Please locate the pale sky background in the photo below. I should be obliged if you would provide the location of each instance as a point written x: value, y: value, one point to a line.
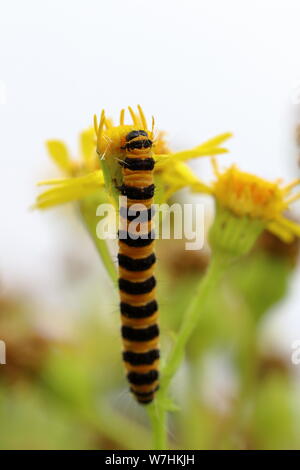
x: 200, y: 66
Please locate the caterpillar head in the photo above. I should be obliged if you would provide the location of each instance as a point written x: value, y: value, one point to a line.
x: 114, y: 143
x: 112, y: 140
x: 137, y: 141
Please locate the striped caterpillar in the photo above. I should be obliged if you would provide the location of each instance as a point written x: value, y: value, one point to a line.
x: 136, y: 258
x: 139, y: 310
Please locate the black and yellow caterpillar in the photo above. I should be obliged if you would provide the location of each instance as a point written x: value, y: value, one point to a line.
x: 136, y: 257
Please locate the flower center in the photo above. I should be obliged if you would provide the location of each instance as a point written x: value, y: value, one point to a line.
x: 246, y: 194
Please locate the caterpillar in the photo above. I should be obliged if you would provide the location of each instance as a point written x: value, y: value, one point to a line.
x: 132, y: 147
x: 136, y: 257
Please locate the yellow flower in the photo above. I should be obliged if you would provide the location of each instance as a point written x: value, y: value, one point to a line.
x: 96, y: 169
x: 83, y: 175
x: 247, y: 195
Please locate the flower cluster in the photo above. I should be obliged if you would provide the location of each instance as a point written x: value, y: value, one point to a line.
x: 247, y: 195
x: 86, y: 175
x: 241, y: 193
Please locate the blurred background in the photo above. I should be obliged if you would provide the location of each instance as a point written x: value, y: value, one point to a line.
x: 201, y: 67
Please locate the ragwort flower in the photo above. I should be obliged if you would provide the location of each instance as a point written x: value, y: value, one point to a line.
x: 99, y: 162
x: 249, y: 197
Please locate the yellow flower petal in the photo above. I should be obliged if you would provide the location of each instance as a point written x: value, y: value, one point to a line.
x: 90, y: 178
x: 208, y: 148
x: 69, y: 189
x: 87, y: 145
x: 180, y: 176
x: 288, y: 224
x: 219, y: 139
x: 60, y: 155
x: 280, y: 232
x: 62, y: 195
x: 53, y: 181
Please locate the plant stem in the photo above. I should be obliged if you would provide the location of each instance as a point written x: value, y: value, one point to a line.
x: 88, y: 214
x: 198, y: 304
x: 158, y: 420
x: 216, y: 268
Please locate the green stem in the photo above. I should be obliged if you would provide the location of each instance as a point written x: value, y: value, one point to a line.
x: 158, y: 410
x: 88, y: 213
x: 158, y: 420
x: 216, y: 268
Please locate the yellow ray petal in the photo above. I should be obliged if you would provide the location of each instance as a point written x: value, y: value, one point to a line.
x: 90, y: 178
x: 54, y: 181
x: 180, y: 176
x: 143, y: 118
x: 133, y: 116
x: 200, y: 187
x: 219, y: 139
x: 108, y: 123
x: 60, y: 154
x: 280, y: 232
x: 100, y: 128
x: 69, y: 189
x: 215, y: 166
x: 293, y: 198
x: 122, y: 117
x: 95, y: 124
x: 161, y: 157
x: 87, y: 145
x: 291, y: 185
x: 288, y: 224
x: 185, y: 174
x: 62, y: 195
x: 188, y: 154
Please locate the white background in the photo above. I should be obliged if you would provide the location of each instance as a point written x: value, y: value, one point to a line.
x: 200, y: 66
